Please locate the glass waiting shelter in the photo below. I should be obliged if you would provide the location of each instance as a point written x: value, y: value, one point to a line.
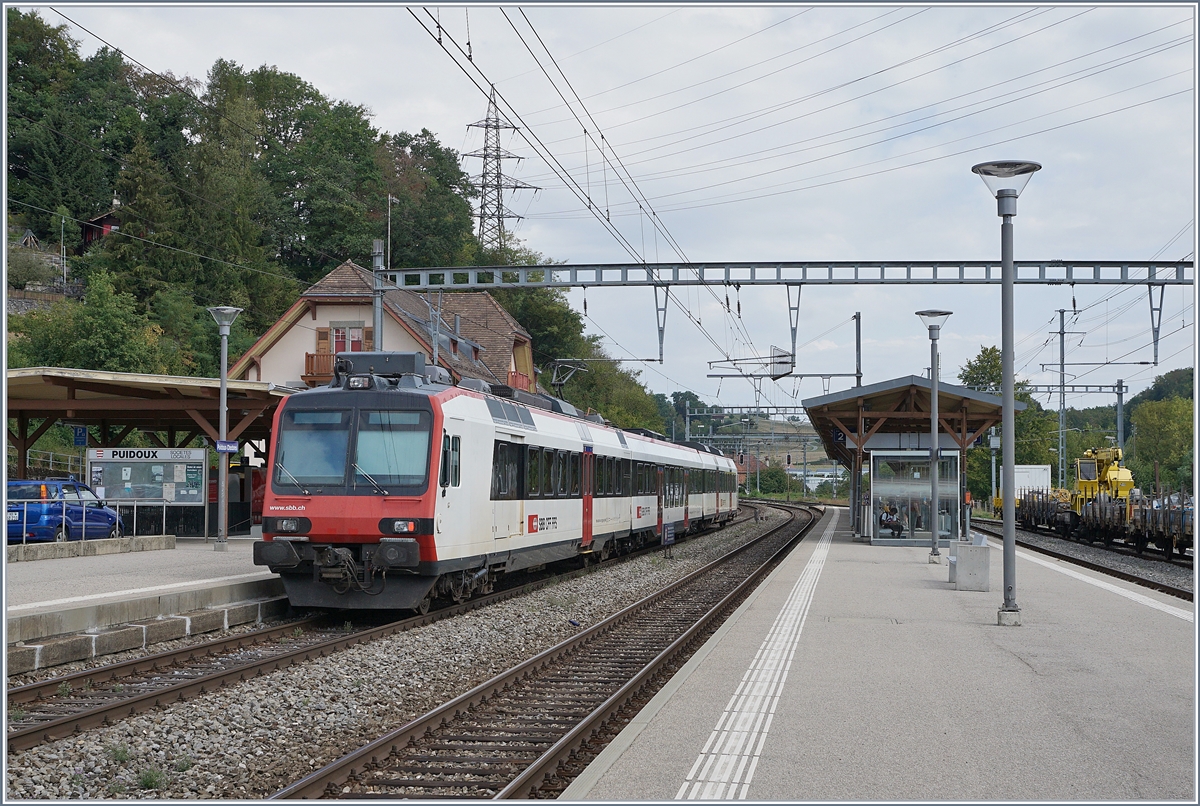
x: 900, y: 494
x: 882, y: 433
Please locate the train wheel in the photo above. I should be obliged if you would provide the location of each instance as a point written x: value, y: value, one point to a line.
x: 1169, y: 549
x: 1139, y: 543
x: 423, y: 608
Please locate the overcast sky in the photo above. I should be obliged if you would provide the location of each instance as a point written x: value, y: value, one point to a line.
x: 787, y: 133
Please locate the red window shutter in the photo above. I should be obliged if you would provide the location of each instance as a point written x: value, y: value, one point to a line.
x: 368, y: 339
x: 322, y: 340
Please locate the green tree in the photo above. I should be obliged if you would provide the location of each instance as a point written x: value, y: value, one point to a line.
x: 432, y: 222
x: 1162, y: 433
x: 106, y: 332
x: 24, y: 266
x: 1035, y: 433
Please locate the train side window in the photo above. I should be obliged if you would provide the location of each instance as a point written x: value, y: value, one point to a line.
x: 515, y: 472
x: 547, y: 473
x: 500, y: 471
x: 444, y: 473
x: 617, y: 487
x: 455, y: 461
x: 556, y: 472
x: 533, y: 473
x: 612, y: 476
x: 564, y: 472
x: 575, y: 474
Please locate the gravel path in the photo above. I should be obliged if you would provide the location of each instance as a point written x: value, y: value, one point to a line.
x: 1175, y: 573
x: 252, y: 739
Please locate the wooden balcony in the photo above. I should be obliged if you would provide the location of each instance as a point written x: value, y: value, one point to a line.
x: 318, y: 368
x: 519, y: 380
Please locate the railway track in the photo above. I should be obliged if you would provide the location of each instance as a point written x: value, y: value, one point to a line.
x: 57, y: 707
x: 507, y: 737
x: 1128, y: 577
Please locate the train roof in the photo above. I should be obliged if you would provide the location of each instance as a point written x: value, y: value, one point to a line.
x: 407, y: 372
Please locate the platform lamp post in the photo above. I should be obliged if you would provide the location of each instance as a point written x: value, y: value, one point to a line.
x: 1006, y: 179
x: 933, y: 320
x: 224, y: 316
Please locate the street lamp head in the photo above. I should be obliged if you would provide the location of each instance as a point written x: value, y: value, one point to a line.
x: 224, y: 314
x: 934, y: 320
x: 1006, y: 175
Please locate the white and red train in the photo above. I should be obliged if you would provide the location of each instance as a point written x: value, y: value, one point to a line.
x: 390, y: 487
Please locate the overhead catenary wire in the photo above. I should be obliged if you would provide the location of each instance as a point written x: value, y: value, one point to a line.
x: 536, y: 144
x: 801, y: 145
x: 627, y: 180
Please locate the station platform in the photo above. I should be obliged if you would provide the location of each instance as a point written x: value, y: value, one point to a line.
x: 858, y: 672
x: 48, y: 603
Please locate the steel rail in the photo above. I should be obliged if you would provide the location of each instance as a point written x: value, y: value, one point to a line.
x: 532, y: 777
x: 1103, y: 569
x: 26, y: 737
x: 349, y: 766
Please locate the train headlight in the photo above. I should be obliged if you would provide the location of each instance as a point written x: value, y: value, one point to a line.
x: 403, y: 527
x: 288, y: 524
x: 360, y: 382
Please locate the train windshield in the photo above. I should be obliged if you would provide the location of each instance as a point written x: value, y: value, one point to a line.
x: 312, y: 448
x: 1087, y: 470
x: 392, y: 448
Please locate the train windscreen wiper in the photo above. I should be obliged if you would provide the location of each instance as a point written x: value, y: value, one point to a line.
x: 280, y: 466
x: 367, y: 476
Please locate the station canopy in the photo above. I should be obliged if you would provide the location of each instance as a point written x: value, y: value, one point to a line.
x: 899, y: 406
x: 117, y: 403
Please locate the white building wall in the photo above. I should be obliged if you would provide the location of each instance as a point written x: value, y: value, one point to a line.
x: 283, y: 362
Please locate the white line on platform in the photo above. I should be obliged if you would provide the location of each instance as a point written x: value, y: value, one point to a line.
x: 120, y: 594
x: 1177, y: 612
x: 725, y: 766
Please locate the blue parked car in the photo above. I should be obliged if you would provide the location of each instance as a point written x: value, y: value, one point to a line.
x: 57, y: 510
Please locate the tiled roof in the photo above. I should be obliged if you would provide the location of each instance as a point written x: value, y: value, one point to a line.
x: 488, y: 324
x: 352, y: 280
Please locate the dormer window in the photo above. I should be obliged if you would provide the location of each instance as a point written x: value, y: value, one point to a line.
x: 454, y: 346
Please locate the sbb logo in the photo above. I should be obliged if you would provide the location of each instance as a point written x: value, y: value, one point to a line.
x: 533, y: 524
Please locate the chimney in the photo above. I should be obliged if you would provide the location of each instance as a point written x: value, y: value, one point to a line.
x: 457, y: 326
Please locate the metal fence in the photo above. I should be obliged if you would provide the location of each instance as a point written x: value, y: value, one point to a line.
x: 23, y: 517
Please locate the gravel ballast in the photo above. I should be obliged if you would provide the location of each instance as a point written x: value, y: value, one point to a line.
x: 1175, y: 574
x: 252, y: 739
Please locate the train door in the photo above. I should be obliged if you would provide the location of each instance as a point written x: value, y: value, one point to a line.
x: 451, y: 506
x: 586, y: 487
x: 661, y: 490
x: 507, y: 505
x: 686, y: 495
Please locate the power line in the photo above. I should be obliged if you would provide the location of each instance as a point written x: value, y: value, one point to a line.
x: 539, y: 147
x: 635, y: 191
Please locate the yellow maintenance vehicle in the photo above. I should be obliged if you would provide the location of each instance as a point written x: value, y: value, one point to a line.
x: 1100, y: 482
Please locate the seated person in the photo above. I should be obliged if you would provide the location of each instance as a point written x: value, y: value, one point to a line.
x: 889, y: 520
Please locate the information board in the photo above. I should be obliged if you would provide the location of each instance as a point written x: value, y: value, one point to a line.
x: 174, y: 475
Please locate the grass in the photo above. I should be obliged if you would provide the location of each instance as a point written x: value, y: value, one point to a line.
x: 118, y: 753
x: 16, y: 714
x: 152, y: 778
x: 64, y: 689
x: 184, y: 764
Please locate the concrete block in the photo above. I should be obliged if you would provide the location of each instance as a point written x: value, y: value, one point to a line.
x: 167, y: 628
x: 57, y: 651
x: 1008, y: 618
x: 935, y: 559
x: 952, y: 562
x: 246, y: 613
x: 204, y: 621
x: 974, y: 568
x: 118, y: 640
x: 22, y: 659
